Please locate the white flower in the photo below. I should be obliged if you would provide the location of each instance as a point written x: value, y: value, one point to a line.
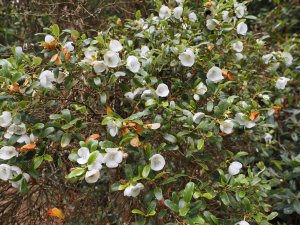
x: 115, y: 46
x: 19, y: 50
x: 69, y: 46
x: 84, y: 155
x: 187, y: 58
x: 162, y: 90
x: 46, y: 79
x: 8, y: 152
x: 99, y: 67
x: 193, y: 17
x: 90, y: 55
x: 157, y: 162
x: 234, y: 168
x: 281, y: 82
x: 268, y: 138
x: 238, y: 56
x: 242, y: 120
x: 152, y: 126
x: 49, y: 38
x: 225, y: 16
x: 97, y: 164
x: 180, y: 1
x: 266, y: 58
x: 178, y: 12
x: 5, y: 172
x: 113, y: 157
x: 227, y: 126
x: 133, y: 64
x: 164, y: 12
x: 147, y: 94
x: 211, y: 24
x: 62, y: 76
x: 133, y: 190
x: 24, y: 139
x: 111, y: 59
x: 144, y: 51
x: 112, y: 128
x: 18, y: 129
x: 196, y: 97
x: 288, y: 58
x: 5, y: 119
x: 15, y: 171
x: 240, y: 10
x: 214, y: 74
x: 237, y: 46
x: 198, y: 116
x: 92, y: 176
x: 243, y: 222
x: 201, y: 89
x: 242, y: 28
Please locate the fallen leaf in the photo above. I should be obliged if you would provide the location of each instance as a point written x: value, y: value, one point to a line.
x: 135, y: 142
x: 55, y: 212
x: 277, y: 109
x: 49, y: 45
x: 253, y: 115
x: 92, y: 137
x: 108, y: 110
x: 14, y: 88
x: 27, y: 147
x: 67, y: 54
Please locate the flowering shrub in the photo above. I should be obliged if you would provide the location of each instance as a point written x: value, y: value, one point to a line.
x: 163, y: 109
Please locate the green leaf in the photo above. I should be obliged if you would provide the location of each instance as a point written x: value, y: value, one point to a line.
x: 200, y: 144
x: 37, y: 61
x: 247, y: 203
x: 296, y: 206
x: 48, y: 158
x: 65, y: 140
x: 76, y: 172
x: 171, y: 138
x: 37, y: 161
x: 146, y: 171
x: 137, y: 211
x: 151, y: 213
x: 272, y: 215
x: 23, y: 186
x: 207, y: 196
x: 225, y: 199
x: 66, y: 114
x: 158, y: 193
x: 188, y: 192
x: 55, y: 30
x: 171, y: 205
x: 93, y: 157
x: 183, y: 211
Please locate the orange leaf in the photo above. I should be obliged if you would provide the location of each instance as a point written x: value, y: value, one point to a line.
x: 27, y: 147
x: 108, y: 110
x: 14, y: 88
x: 135, y: 142
x: 55, y: 212
x: 277, y: 109
x: 125, y: 130
x: 54, y: 58
x: 131, y: 124
x: 227, y: 74
x: 67, y: 54
x: 49, y: 45
x: 253, y: 115
x: 92, y: 137
x: 139, y: 129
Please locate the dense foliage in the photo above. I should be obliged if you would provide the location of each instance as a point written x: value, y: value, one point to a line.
x: 189, y: 115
